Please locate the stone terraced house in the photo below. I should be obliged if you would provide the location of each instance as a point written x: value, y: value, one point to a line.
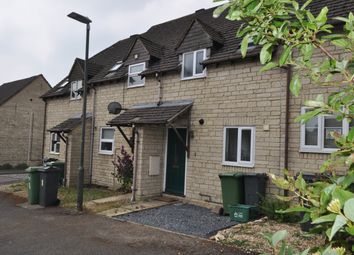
x: 195, y: 107
x: 22, y: 120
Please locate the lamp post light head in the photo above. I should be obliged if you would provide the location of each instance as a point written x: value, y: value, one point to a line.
x: 80, y: 18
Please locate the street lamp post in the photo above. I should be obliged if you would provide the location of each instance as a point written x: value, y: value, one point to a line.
x: 80, y: 180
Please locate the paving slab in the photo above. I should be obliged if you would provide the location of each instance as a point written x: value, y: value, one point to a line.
x: 182, y: 218
x: 133, y: 207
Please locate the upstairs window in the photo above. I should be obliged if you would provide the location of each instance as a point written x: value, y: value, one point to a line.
x: 54, y: 143
x: 74, y: 92
x: 134, y: 78
x: 192, y: 64
x: 107, y: 141
x: 239, y: 146
x: 316, y: 133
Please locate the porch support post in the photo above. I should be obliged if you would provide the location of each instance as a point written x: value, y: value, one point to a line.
x: 62, y: 137
x: 180, y: 138
x: 129, y: 141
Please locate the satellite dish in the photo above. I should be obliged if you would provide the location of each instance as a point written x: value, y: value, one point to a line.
x: 114, y: 108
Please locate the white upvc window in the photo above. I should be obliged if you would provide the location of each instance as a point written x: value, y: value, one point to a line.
x: 74, y: 91
x: 54, y: 143
x: 316, y: 133
x: 192, y: 64
x: 239, y: 146
x: 107, y: 141
x: 134, y: 77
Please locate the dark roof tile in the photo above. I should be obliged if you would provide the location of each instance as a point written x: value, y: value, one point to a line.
x: 157, y: 114
x: 9, y: 89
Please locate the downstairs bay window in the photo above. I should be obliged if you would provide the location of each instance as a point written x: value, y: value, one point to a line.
x: 316, y: 133
x: 239, y: 146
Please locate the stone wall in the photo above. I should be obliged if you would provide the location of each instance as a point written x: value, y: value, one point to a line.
x: 21, y: 125
x: 232, y: 94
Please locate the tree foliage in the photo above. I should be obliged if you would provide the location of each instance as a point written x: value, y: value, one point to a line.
x: 289, y: 35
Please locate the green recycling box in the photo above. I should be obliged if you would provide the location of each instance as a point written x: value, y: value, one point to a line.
x: 33, y: 184
x: 243, y: 213
x: 232, y: 187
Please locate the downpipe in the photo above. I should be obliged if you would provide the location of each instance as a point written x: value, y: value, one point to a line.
x: 135, y: 162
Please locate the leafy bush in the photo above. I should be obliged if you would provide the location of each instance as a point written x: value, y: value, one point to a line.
x: 124, y: 170
x: 6, y: 166
x: 291, y: 27
x: 270, y: 206
x: 21, y: 166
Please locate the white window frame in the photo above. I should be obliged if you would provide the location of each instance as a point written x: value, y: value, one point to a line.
x: 106, y: 152
x: 57, y: 144
x: 320, y: 141
x: 136, y: 74
x: 195, y: 75
x: 240, y: 162
x: 77, y: 96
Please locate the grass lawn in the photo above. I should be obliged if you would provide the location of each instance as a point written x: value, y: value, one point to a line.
x: 68, y: 196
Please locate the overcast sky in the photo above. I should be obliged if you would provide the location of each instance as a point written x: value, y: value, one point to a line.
x: 37, y: 37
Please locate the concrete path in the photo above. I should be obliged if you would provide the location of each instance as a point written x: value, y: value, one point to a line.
x: 59, y: 231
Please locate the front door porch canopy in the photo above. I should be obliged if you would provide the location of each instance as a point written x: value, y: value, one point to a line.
x: 152, y: 114
x: 66, y: 126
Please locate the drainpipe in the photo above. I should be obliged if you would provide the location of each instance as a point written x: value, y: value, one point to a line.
x: 159, y: 87
x: 287, y: 117
x: 30, y: 139
x: 92, y: 133
x: 66, y: 160
x: 44, y: 128
x: 135, y: 162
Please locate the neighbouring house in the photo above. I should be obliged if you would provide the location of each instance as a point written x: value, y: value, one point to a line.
x: 193, y: 108
x: 22, y: 120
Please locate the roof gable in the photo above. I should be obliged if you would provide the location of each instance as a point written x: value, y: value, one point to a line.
x: 77, y: 70
x: 10, y: 89
x: 198, y: 35
x: 138, y: 53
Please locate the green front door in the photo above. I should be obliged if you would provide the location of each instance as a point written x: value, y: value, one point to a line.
x: 176, y: 162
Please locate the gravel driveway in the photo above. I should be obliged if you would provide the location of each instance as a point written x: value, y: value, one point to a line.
x: 181, y: 218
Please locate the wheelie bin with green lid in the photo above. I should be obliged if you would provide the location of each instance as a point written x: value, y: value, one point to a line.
x: 33, y: 184
x: 232, y: 187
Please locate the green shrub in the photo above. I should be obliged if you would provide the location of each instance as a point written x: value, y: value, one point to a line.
x: 21, y: 166
x: 270, y: 206
x: 6, y: 166
x: 124, y: 170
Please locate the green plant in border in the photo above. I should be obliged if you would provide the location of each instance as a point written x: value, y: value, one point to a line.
x: 292, y: 28
x: 124, y: 169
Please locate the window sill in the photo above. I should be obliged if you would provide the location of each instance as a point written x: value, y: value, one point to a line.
x: 54, y: 153
x: 136, y: 86
x: 318, y: 151
x: 108, y: 153
x: 74, y: 99
x: 248, y: 165
x: 193, y: 77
